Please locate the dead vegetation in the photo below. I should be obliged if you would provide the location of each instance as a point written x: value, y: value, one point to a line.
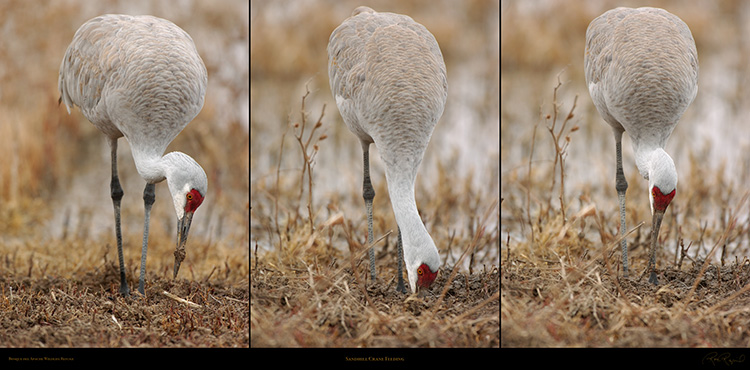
x: 88, y: 312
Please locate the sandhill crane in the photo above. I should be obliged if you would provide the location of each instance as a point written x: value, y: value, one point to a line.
x: 140, y: 77
x: 388, y: 78
x: 642, y: 71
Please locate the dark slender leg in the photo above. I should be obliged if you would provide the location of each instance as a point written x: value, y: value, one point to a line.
x: 621, y: 185
x: 368, y: 193
x: 148, y: 200
x: 400, y: 287
x: 116, y: 193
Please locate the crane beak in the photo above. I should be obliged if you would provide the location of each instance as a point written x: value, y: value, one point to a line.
x: 183, y: 227
x: 656, y: 225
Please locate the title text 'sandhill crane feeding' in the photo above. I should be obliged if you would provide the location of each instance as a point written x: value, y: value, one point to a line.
x: 388, y: 78
x: 140, y: 77
x: 642, y: 71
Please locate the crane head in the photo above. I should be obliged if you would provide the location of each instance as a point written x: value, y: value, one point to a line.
x: 659, y: 200
x: 193, y: 200
x: 425, y: 276
x: 662, y: 180
x: 422, y: 265
x: 188, y: 184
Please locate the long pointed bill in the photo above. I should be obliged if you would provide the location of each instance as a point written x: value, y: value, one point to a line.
x: 656, y: 224
x: 183, y: 227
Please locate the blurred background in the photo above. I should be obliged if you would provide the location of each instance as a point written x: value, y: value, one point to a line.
x: 541, y: 39
x: 288, y: 53
x: 55, y: 167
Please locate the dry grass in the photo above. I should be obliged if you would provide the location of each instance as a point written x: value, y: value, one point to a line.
x: 87, y: 312
x: 65, y: 293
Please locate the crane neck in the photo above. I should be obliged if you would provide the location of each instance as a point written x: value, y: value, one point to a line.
x: 418, y: 245
x: 401, y: 191
x: 655, y: 164
x: 151, y: 166
x: 182, y: 172
x: 156, y: 168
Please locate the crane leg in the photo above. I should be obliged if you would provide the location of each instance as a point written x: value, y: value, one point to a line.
x: 149, y: 197
x: 622, y: 186
x: 116, y: 193
x: 400, y: 287
x: 368, y: 193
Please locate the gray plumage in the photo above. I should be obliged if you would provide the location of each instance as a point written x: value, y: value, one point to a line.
x: 140, y: 77
x: 388, y: 78
x: 641, y: 68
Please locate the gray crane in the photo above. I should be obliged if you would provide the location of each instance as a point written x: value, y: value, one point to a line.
x: 140, y: 77
x: 388, y: 78
x: 642, y: 72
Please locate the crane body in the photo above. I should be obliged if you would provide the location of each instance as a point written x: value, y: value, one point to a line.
x: 140, y: 77
x: 641, y: 68
x: 388, y: 78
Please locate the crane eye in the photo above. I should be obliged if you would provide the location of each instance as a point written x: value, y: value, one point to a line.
x: 419, y: 271
x: 189, y: 196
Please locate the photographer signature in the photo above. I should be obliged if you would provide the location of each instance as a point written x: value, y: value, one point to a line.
x: 715, y: 358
